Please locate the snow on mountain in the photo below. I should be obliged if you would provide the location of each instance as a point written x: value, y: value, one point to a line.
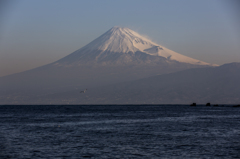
x: 122, y: 40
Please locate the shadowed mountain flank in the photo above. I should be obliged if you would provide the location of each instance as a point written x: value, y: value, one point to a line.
x: 219, y: 85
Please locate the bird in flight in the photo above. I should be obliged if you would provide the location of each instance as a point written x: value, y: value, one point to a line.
x: 83, y: 91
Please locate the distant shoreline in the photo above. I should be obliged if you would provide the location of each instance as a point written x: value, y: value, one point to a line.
x: 218, y: 105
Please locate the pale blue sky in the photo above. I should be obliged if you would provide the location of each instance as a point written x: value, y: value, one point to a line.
x: 38, y: 32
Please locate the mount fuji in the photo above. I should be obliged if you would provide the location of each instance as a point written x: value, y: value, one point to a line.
x: 119, y: 55
x: 120, y: 46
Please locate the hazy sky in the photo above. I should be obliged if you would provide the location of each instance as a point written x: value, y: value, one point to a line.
x: 38, y: 32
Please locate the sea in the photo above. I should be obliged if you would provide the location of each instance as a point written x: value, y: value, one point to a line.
x: 119, y: 131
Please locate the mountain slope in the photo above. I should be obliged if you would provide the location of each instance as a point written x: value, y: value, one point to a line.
x: 219, y: 85
x: 121, y: 44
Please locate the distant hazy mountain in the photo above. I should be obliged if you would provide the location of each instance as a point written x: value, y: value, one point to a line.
x: 118, y: 55
x: 218, y: 85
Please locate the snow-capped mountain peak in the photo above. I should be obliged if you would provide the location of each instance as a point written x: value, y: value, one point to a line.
x: 124, y: 41
x: 121, y: 40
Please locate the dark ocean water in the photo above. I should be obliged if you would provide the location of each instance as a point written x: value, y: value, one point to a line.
x: 170, y: 131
